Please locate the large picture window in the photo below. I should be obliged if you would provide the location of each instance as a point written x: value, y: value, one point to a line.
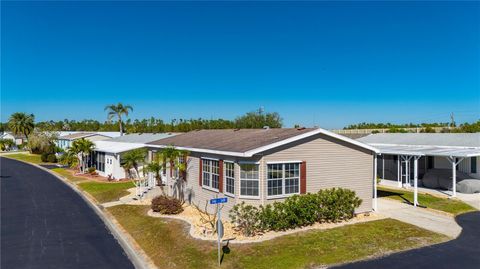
x: 283, y: 178
x: 249, y: 180
x: 210, y: 173
x: 230, y: 178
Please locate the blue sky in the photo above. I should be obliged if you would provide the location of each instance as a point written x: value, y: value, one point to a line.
x: 316, y: 63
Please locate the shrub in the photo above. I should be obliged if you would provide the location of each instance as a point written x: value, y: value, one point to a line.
x: 51, y: 158
x: 91, y: 170
x: 337, y: 204
x: 166, y: 205
x: 245, y: 218
x: 330, y: 205
x: 44, y: 157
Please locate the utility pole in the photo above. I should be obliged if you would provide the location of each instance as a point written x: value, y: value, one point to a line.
x: 452, y: 120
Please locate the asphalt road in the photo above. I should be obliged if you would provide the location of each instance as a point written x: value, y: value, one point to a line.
x: 463, y: 252
x: 45, y: 224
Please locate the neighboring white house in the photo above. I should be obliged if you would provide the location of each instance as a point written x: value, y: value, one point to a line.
x: 65, y: 141
x: 108, y: 153
x: 18, y: 139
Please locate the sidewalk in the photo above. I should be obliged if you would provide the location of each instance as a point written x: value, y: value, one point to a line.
x: 427, y: 219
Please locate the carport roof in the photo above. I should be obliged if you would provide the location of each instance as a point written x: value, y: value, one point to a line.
x: 427, y: 150
x: 426, y: 144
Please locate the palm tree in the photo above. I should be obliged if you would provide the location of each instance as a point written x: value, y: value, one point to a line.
x: 69, y: 158
x: 21, y: 123
x: 117, y: 111
x: 82, y: 148
x: 133, y: 159
x: 156, y: 166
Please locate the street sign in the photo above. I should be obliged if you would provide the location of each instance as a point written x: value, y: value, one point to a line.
x: 218, y: 200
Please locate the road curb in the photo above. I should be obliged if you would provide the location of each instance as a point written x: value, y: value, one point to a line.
x: 139, y: 261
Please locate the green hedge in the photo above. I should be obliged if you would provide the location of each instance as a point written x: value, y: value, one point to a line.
x: 330, y: 205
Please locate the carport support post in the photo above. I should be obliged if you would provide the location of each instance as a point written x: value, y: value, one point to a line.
x: 375, y: 182
x: 383, y: 166
x: 415, y: 181
x: 398, y: 172
x: 454, y: 177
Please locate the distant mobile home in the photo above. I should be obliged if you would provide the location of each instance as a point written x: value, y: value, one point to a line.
x: 260, y: 166
x: 107, y: 156
x: 65, y: 141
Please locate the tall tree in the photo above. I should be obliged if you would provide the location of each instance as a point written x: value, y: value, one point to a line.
x: 117, y: 111
x: 21, y: 123
x: 259, y: 119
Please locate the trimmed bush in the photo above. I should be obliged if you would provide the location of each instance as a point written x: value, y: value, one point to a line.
x: 91, y: 170
x: 330, y: 205
x: 337, y: 204
x: 44, y: 157
x: 166, y: 205
x: 51, y: 158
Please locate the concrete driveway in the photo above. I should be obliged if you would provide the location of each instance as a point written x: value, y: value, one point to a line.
x: 45, y: 224
x: 421, y: 217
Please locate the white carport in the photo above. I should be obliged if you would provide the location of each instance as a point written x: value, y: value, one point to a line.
x: 407, y: 152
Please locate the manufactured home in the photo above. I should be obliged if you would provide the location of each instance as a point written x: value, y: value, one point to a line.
x: 107, y: 156
x: 65, y: 141
x: 261, y: 166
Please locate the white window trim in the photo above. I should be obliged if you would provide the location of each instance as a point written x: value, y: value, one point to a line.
x: 283, y: 195
x: 225, y: 179
x: 205, y: 186
x: 252, y: 197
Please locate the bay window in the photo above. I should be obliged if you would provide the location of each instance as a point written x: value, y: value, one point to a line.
x: 249, y: 180
x: 210, y: 174
x: 230, y: 178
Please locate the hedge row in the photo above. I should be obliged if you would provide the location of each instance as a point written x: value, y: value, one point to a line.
x: 330, y: 205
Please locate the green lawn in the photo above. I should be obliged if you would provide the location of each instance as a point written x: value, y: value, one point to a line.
x: 169, y: 245
x: 26, y: 157
x: 68, y: 175
x: 106, y: 192
x: 452, y: 206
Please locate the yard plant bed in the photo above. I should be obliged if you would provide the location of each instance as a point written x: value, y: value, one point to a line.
x: 168, y: 244
x: 106, y: 192
x: 452, y: 206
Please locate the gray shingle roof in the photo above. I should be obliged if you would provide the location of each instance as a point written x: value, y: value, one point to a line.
x: 230, y: 140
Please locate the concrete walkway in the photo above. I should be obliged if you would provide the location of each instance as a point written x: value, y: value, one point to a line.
x: 424, y: 218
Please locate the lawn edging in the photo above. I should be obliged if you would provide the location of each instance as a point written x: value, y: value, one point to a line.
x: 137, y: 256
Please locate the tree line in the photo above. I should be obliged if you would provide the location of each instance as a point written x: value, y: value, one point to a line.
x: 22, y: 123
x: 466, y: 127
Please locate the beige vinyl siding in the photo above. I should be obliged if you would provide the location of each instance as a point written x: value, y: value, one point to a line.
x: 330, y: 163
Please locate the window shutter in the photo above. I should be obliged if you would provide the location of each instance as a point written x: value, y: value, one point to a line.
x: 220, y: 176
x: 200, y: 174
x: 303, y: 177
